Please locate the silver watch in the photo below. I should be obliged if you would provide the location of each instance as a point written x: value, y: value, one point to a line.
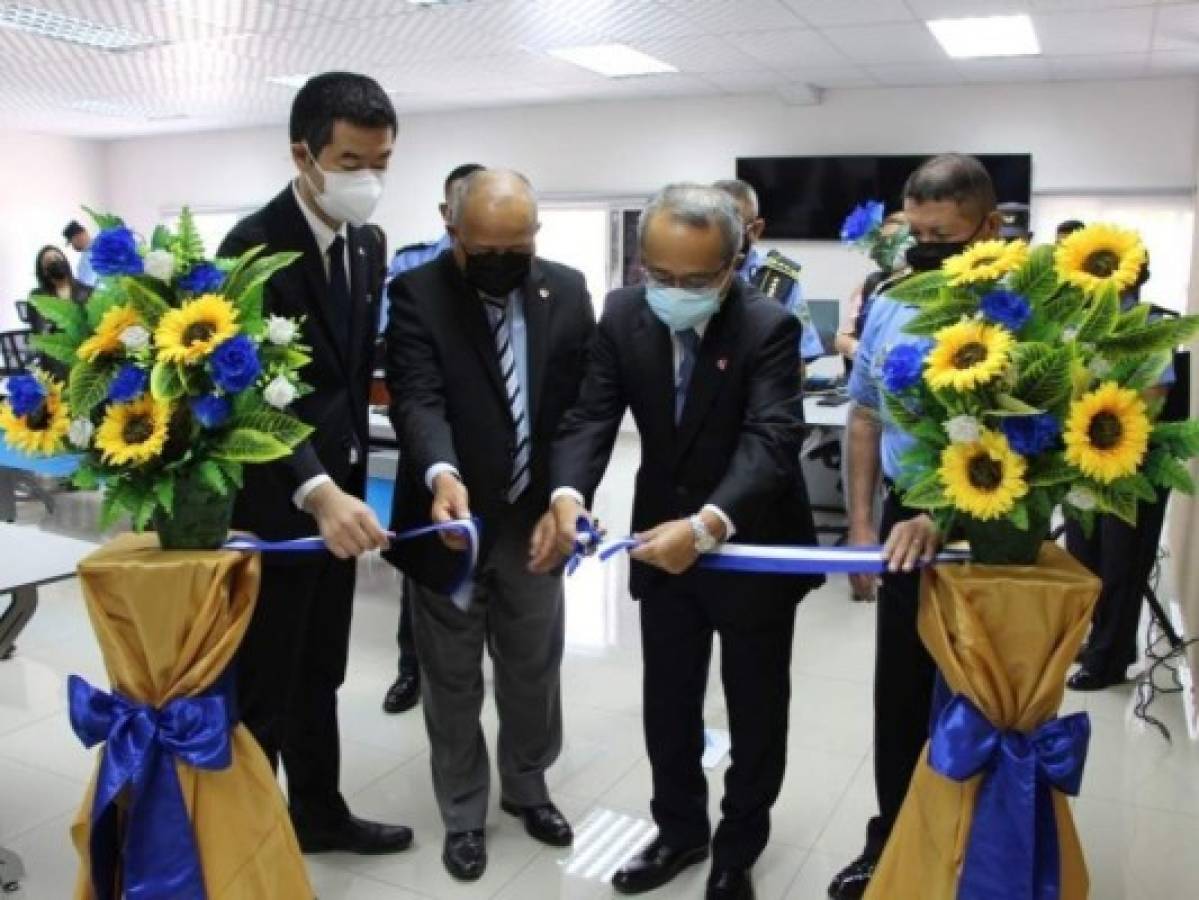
x: 705, y: 541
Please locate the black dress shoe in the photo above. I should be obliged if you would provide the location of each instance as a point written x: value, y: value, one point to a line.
x: 1089, y: 680
x: 730, y: 884
x: 543, y: 823
x: 654, y: 866
x: 404, y: 693
x: 353, y: 835
x: 465, y: 854
x: 852, y: 881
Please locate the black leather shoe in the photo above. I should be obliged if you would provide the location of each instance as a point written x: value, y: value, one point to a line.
x: 654, y: 866
x: 852, y: 881
x: 543, y: 823
x: 465, y: 855
x: 1089, y: 680
x: 730, y: 884
x: 353, y: 835
x: 404, y: 693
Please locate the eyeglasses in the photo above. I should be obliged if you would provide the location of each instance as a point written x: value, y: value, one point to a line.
x: 695, y: 282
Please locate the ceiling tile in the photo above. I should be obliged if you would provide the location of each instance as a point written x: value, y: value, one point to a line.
x: 826, y: 13
x: 1075, y: 5
x: 915, y: 75
x: 1003, y: 71
x: 789, y: 48
x: 828, y: 76
x: 699, y: 54
x: 1088, y: 34
x: 1177, y: 27
x: 886, y: 44
x: 952, y: 9
x: 1087, y: 68
x: 721, y: 16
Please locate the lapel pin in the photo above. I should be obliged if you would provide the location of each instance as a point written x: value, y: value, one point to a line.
x: 362, y: 251
x: 722, y: 363
x: 545, y: 293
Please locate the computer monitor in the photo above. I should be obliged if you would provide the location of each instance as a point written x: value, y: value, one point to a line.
x: 826, y: 317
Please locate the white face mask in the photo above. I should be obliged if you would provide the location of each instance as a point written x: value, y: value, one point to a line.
x: 348, y: 196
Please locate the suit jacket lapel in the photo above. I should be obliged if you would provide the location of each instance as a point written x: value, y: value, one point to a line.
x: 537, y: 307
x: 360, y: 298
x: 711, y: 367
x: 656, y: 356
x: 472, y: 317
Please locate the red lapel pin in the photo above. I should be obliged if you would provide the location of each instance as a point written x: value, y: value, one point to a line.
x: 722, y: 363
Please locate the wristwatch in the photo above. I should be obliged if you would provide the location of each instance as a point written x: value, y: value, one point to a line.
x: 705, y: 541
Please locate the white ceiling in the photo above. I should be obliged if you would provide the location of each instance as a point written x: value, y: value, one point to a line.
x: 211, y: 69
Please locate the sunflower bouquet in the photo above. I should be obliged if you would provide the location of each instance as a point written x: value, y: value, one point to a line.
x: 176, y: 380
x: 1030, y: 388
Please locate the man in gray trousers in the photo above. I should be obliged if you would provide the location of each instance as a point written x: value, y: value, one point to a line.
x: 485, y: 354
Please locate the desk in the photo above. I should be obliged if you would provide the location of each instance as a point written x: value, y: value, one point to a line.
x: 29, y: 557
x: 824, y: 416
x: 16, y: 467
x: 821, y: 463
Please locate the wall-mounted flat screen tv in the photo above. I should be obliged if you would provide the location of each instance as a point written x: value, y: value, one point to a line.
x: 808, y: 197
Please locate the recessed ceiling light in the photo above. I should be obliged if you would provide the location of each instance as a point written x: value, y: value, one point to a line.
x: 613, y: 60
x: 986, y: 36
x: 59, y: 27
x: 291, y: 81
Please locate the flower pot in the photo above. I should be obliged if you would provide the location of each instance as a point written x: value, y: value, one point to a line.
x: 199, y: 519
x: 1000, y: 543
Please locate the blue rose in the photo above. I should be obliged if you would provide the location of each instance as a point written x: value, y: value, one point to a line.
x: 1006, y: 308
x: 129, y: 384
x: 114, y: 252
x: 202, y: 278
x: 1030, y: 435
x: 210, y: 410
x: 904, y: 366
x: 25, y: 394
x: 864, y: 219
x: 235, y: 364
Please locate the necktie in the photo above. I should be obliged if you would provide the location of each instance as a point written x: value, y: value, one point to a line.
x: 339, y: 292
x: 689, y: 344
x: 499, y: 313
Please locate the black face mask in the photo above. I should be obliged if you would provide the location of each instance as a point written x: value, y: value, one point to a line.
x: 927, y: 257
x: 497, y: 274
x: 57, y: 269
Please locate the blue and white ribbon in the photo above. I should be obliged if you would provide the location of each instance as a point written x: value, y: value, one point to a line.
x: 461, y: 589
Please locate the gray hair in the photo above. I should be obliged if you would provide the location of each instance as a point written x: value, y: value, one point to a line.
x: 462, y: 191
x: 741, y: 191
x: 697, y: 206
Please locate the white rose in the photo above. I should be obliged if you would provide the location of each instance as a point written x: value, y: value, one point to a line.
x: 160, y: 264
x: 963, y: 429
x: 135, y: 338
x: 280, y: 331
x: 80, y: 433
x: 279, y: 393
x: 1081, y: 498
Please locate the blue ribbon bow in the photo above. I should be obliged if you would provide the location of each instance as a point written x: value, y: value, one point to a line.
x: 141, y: 744
x: 1013, y: 851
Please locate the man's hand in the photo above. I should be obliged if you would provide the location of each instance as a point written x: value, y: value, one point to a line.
x: 863, y: 584
x: 544, y: 554
x: 348, y: 526
x: 669, y: 547
x: 450, y: 502
x: 916, y: 540
x: 566, y: 511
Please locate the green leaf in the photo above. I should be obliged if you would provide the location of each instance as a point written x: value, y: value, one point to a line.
x: 101, y: 301
x: 85, y: 478
x: 1162, y: 334
x: 232, y: 472
x: 1045, y: 382
x: 68, y: 315
x: 160, y: 239
x: 1118, y: 501
x: 1066, y: 305
x: 244, y: 279
x: 211, y: 474
x: 899, y: 413
x: 187, y: 246
x: 1180, y: 439
x: 1163, y: 469
x: 1139, y: 371
x: 1133, y: 319
x: 287, y: 429
x: 1048, y: 471
x: 935, y: 316
x: 1139, y: 486
x: 1101, y: 317
x: 1040, y: 504
x: 920, y: 289
x: 927, y: 493
x: 1019, y: 516
x: 165, y: 381
x: 249, y: 311
x: 104, y: 220
x: 1008, y: 403
x: 164, y: 491
x: 250, y: 446
x: 149, y: 305
x: 57, y: 346
x: 87, y: 387
x: 1037, y: 280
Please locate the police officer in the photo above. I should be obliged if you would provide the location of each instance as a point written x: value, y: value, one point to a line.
x: 404, y: 693
x: 773, y: 274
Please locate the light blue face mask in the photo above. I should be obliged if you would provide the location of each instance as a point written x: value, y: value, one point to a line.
x: 679, y: 308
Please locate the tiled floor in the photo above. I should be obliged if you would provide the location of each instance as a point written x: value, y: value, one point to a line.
x: 1138, y: 814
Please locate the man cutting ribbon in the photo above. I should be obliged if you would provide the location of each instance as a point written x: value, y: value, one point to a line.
x: 708, y: 367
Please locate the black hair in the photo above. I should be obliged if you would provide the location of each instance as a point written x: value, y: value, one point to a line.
x: 44, y: 285
x: 463, y: 171
x: 1070, y: 226
x: 952, y: 176
x: 338, y: 96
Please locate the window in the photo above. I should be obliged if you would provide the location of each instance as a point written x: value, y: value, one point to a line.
x: 576, y: 235
x: 212, y: 224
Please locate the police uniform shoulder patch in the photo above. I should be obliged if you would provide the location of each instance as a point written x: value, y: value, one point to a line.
x: 777, y: 276
x: 421, y: 245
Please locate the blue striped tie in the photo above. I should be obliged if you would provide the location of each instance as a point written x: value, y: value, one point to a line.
x: 689, y: 344
x: 501, y: 332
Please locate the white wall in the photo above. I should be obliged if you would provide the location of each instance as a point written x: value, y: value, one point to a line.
x: 1085, y: 138
x: 43, y: 183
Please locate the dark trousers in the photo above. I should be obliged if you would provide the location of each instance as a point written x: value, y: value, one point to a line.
x: 903, y: 687
x: 1122, y: 556
x: 409, y: 661
x: 755, y: 654
x: 289, y: 668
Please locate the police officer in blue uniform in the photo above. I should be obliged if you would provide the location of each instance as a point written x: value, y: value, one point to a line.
x: 773, y: 274
x: 404, y: 692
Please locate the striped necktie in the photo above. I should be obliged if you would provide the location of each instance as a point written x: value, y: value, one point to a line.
x: 499, y: 314
x: 689, y: 345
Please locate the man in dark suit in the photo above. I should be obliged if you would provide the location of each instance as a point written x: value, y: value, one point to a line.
x: 485, y: 352
x: 709, y: 368
x: 293, y: 658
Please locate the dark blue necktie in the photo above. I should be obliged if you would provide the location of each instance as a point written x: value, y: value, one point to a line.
x: 339, y: 292
x: 689, y: 343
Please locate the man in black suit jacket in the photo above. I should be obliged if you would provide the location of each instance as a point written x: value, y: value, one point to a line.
x: 293, y: 658
x: 709, y: 368
x: 485, y: 352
